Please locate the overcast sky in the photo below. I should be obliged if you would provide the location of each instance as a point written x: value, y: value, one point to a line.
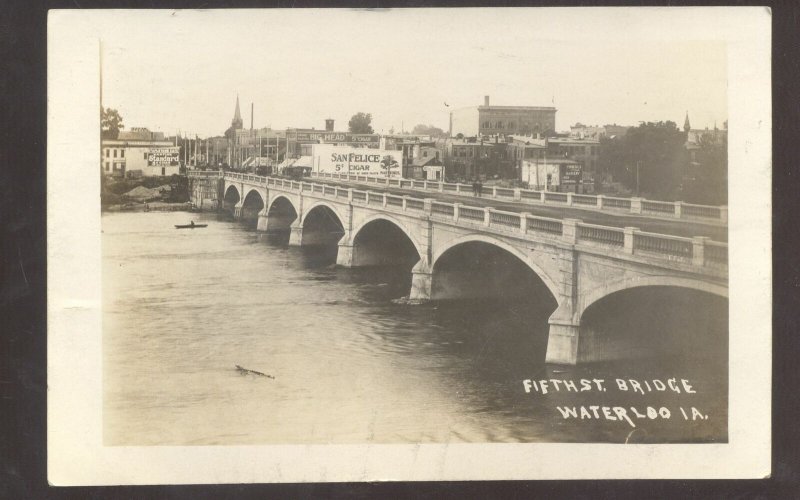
x: 170, y: 71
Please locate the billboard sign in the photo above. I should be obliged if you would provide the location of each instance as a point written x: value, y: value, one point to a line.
x: 163, y: 157
x: 357, y: 161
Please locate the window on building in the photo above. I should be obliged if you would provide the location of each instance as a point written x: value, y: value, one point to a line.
x: 499, y: 125
x: 511, y: 124
x: 487, y: 124
x: 163, y: 171
x: 145, y: 155
x: 122, y: 153
x: 108, y: 153
x: 115, y: 153
x: 108, y: 165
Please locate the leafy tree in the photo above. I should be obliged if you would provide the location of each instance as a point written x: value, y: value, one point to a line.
x: 706, y: 180
x: 650, y: 159
x: 430, y: 130
x: 360, y: 123
x: 110, y: 123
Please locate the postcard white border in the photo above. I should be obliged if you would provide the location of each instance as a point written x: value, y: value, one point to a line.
x: 76, y: 455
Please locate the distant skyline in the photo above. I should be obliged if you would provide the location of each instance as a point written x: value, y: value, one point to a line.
x: 182, y: 70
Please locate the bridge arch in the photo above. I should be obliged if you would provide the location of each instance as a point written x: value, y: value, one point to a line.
x: 281, y: 213
x: 248, y: 190
x: 393, y: 220
x: 321, y: 224
x: 280, y: 196
x: 490, y: 240
x: 231, y: 198
x: 655, y: 317
x: 252, y: 204
x: 331, y: 206
x: 598, y: 293
x: 380, y: 240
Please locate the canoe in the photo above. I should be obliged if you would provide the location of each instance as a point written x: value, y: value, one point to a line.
x: 189, y: 226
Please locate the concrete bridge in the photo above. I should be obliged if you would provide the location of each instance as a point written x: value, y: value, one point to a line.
x: 456, y: 251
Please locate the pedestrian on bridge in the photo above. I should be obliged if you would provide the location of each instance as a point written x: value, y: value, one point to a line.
x: 475, y: 187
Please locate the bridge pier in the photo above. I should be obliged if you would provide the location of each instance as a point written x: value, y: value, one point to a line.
x: 344, y: 255
x: 563, y: 343
x: 263, y: 220
x: 421, y: 281
x: 296, y: 235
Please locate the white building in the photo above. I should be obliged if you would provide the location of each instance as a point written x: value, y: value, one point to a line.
x: 139, y: 153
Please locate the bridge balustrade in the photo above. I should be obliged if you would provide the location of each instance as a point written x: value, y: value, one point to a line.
x: 446, y: 209
x: 558, y: 197
x: 658, y: 207
x: 394, y: 201
x: 611, y: 202
x: 415, y: 204
x: 674, y: 246
x: 545, y: 225
x: 647, y: 207
x: 506, y: 219
x: 601, y: 234
x: 584, y: 199
x: 715, y: 254
x: 471, y: 213
x: 701, y: 211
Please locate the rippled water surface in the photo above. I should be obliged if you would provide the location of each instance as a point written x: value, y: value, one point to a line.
x: 183, y: 307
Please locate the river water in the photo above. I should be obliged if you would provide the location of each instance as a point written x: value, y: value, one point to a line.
x: 182, y: 308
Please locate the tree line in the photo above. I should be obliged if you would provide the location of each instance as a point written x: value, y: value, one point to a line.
x: 654, y: 161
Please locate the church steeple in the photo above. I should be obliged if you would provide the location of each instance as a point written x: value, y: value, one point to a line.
x: 237, y: 116
x: 686, y: 126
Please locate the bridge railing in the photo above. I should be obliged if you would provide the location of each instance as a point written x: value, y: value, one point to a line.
x: 698, y: 251
x: 639, y: 206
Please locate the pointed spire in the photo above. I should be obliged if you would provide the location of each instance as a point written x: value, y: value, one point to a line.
x: 686, y: 126
x: 237, y: 115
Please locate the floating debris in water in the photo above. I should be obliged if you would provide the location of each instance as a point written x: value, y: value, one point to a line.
x: 409, y: 302
x: 246, y: 371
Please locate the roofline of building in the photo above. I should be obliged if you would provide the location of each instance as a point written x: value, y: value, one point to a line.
x: 504, y: 108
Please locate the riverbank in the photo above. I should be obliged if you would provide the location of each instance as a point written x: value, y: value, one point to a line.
x: 155, y: 206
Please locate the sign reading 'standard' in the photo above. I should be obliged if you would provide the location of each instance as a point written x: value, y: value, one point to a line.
x: 163, y: 157
x: 358, y: 161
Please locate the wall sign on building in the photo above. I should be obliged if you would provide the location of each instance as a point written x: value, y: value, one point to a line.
x: 571, y: 173
x: 163, y: 157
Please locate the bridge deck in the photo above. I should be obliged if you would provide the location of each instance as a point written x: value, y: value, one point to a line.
x: 679, y: 227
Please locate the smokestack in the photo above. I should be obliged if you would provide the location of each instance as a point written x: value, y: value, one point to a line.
x: 329, y: 125
x: 251, y: 116
x: 486, y: 100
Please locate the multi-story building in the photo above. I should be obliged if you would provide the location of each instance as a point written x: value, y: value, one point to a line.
x: 582, y: 131
x: 473, y: 157
x: 532, y: 156
x: 139, y: 152
x: 501, y: 120
x: 411, y: 145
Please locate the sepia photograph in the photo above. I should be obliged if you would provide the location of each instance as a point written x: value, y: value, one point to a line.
x: 409, y: 227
